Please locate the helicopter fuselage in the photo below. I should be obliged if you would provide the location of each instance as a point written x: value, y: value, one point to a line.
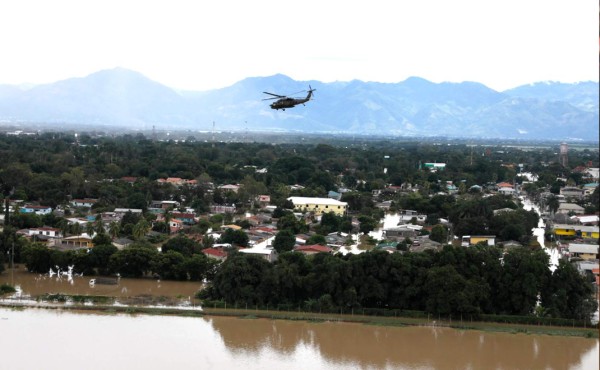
x: 286, y: 102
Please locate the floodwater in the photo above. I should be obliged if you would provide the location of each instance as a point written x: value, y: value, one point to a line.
x: 539, y: 231
x: 33, y: 285
x: 55, y: 339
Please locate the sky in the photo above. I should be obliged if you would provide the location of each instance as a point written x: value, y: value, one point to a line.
x: 204, y: 45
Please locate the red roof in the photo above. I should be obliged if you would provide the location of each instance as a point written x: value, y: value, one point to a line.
x: 214, y: 252
x: 314, y: 248
x: 182, y: 215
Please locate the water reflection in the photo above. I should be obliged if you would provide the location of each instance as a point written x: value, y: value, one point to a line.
x: 51, y: 339
x: 406, y: 348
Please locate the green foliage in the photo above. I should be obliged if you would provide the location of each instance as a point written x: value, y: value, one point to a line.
x: 235, y: 237
x: 133, y: 261
x: 183, y: 245
x: 439, y: 233
x: 5, y: 288
x: 316, y: 239
x: 284, y: 241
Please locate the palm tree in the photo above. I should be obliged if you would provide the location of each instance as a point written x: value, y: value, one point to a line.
x: 89, y: 228
x: 141, y: 229
x: 76, y: 228
x: 114, y: 229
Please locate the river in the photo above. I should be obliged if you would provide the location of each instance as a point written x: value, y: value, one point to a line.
x: 65, y: 340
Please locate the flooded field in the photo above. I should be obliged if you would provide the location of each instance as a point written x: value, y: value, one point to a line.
x: 51, y: 339
x: 38, y: 284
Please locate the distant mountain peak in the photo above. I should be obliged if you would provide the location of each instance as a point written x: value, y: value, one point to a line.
x: 124, y: 98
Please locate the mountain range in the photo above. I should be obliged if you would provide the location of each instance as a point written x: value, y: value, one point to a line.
x: 121, y: 98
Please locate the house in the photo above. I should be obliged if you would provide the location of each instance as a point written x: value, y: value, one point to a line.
x: 400, y: 232
x: 336, y: 240
x: 186, y: 218
x: 572, y: 192
x: 129, y: 179
x: 86, y: 202
x: 507, y: 190
x: 588, y: 189
x: 268, y: 254
x: 175, y: 225
x: 588, y: 220
x: 582, y: 231
x: 584, y: 266
x: 231, y: 226
x: 38, y: 210
x: 120, y: 212
x: 164, y: 204
x: 264, y: 200
x: 222, y: 208
x: 177, y: 181
x: 49, y: 232
x: 230, y: 187
x: 568, y: 208
x: 504, y: 185
x: 469, y: 240
x: 434, y: 166
x: 385, y: 205
x: 583, y: 251
x: 407, y: 215
x: 121, y: 243
x: 313, y: 249
x: 215, y: 253
x: 83, y: 241
x: 318, y: 205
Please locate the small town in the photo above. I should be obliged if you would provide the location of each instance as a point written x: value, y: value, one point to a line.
x: 247, y: 215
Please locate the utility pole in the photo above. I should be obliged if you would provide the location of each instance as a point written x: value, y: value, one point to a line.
x: 12, y: 270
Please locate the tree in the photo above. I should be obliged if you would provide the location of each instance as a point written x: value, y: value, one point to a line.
x: 101, y: 239
x: 439, y: 234
x: 316, y: 239
x: 284, y: 241
x: 181, y: 244
x: 133, y: 261
x: 140, y: 229
x: 367, y: 224
x: 100, y: 256
x: 199, y: 267
x: 37, y: 258
x: 169, y: 265
x: 114, y: 228
x: 236, y: 237
x: 568, y: 294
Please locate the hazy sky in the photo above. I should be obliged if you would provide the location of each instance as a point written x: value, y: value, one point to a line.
x: 201, y: 45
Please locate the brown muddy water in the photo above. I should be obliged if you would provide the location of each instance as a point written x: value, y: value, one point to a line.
x: 58, y: 339
x: 37, y: 284
x: 54, y: 339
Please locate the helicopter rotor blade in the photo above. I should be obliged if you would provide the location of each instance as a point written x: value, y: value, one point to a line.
x: 279, y: 96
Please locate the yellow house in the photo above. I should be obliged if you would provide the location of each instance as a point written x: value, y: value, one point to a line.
x: 589, y: 232
x: 318, y: 205
x: 474, y: 239
x: 82, y: 241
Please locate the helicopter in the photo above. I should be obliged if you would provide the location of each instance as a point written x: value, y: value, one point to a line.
x: 284, y: 102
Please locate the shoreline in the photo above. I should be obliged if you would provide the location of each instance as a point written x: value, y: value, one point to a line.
x: 399, y: 321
